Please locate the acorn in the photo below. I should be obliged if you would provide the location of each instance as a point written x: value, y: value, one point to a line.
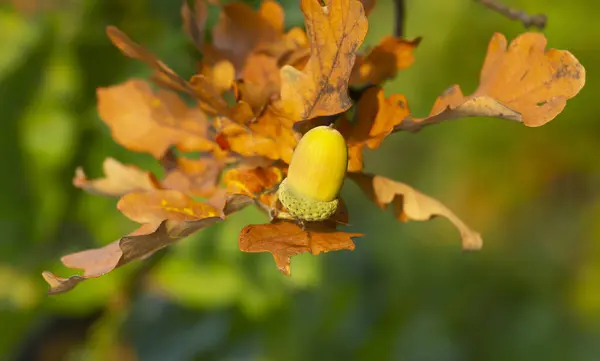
x: 315, y: 175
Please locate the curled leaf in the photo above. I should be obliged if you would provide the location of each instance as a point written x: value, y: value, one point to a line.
x: 409, y: 204
x: 335, y: 31
x: 145, y: 241
x: 522, y: 82
x: 285, y: 239
x: 119, y: 179
x: 384, y: 61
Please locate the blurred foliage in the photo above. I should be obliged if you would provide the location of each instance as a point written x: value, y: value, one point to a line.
x: 405, y: 293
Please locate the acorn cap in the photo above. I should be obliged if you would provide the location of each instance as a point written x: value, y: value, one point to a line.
x: 319, y: 164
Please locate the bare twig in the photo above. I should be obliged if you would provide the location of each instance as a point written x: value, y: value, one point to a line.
x: 537, y: 20
x: 400, y: 13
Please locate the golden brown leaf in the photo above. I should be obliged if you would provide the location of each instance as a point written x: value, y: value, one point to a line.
x: 286, y: 239
x: 163, y: 75
x: 271, y: 135
x: 409, y: 204
x: 259, y: 183
x: 241, y: 30
x: 156, y: 206
x: 376, y: 117
x: 119, y: 179
x: 524, y: 83
x: 198, y: 177
x: 140, y: 244
x: 384, y: 61
x: 144, y: 121
x: 335, y: 31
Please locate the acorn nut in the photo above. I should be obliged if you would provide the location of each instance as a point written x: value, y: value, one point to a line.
x: 315, y: 175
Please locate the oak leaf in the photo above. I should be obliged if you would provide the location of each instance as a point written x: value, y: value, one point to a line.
x: 146, y: 121
x: 187, y: 217
x: 410, y: 204
x: 199, y: 177
x: 240, y: 31
x: 384, y: 61
x: 375, y: 118
x: 260, y: 183
x: 271, y: 135
x: 335, y: 31
x: 285, y: 239
x: 119, y: 179
x: 163, y: 75
x: 523, y: 82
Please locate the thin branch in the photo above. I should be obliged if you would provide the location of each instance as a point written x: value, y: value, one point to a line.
x: 399, y: 11
x: 537, y: 20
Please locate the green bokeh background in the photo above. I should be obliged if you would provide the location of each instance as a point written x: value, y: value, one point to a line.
x: 406, y: 293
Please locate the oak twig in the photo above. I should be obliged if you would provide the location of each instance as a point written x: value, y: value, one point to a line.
x: 399, y: 11
x: 537, y: 20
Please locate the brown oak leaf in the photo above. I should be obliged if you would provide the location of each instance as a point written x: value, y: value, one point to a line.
x: 335, y: 31
x: 146, y: 121
x: 285, y: 239
x: 119, y: 179
x: 149, y: 238
x: 271, y: 135
x: 384, y: 61
x: 409, y: 204
x: 522, y: 82
x: 199, y: 177
x: 241, y: 30
x: 194, y: 22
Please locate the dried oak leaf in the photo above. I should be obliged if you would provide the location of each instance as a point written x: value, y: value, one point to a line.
x: 384, y: 61
x: 170, y: 216
x: 163, y: 75
x: 376, y: 117
x: 285, y: 239
x: 271, y: 135
x: 119, y: 179
x: 335, y: 31
x: 523, y: 82
x: 409, y: 204
x: 259, y: 183
x: 199, y: 87
x: 240, y: 31
x: 144, y: 121
x: 199, y: 177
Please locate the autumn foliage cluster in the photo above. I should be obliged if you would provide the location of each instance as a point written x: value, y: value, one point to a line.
x: 257, y: 89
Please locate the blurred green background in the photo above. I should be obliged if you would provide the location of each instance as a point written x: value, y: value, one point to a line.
x: 406, y: 293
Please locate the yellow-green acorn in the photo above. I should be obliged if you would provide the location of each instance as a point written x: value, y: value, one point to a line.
x: 315, y: 175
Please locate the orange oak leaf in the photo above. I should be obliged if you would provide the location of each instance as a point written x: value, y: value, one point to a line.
x: 198, y: 177
x: 156, y: 206
x: 376, y: 117
x: 143, y: 242
x: 271, y: 135
x: 285, y: 239
x: 259, y: 183
x: 199, y: 86
x: 119, y: 179
x: 241, y: 30
x: 384, y: 61
x: 523, y: 82
x: 335, y: 31
x: 409, y: 204
x: 145, y: 121
x: 163, y: 75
